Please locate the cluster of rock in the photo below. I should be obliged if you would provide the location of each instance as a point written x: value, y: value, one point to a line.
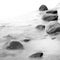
x: 34, y: 41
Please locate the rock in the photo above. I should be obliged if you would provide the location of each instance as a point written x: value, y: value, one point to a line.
x: 52, y: 12
x: 53, y: 28
x: 50, y: 18
x: 43, y: 8
x: 15, y: 45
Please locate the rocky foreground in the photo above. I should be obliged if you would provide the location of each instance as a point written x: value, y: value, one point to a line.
x: 38, y: 40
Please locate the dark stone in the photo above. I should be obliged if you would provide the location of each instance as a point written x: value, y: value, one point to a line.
x: 52, y: 12
x: 15, y: 45
x: 26, y: 40
x: 37, y: 55
x: 50, y: 18
x: 40, y: 27
x: 54, y: 31
x: 53, y: 28
x: 43, y: 8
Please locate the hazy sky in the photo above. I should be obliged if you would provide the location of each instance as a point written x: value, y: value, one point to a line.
x: 13, y: 8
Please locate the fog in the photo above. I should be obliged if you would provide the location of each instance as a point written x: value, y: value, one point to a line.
x: 11, y: 9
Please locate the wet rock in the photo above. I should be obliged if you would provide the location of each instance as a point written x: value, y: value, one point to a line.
x: 54, y: 31
x: 26, y: 40
x: 53, y: 28
x: 52, y: 12
x: 50, y: 18
x: 40, y: 27
x: 43, y: 8
x: 15, y: 45
x: 37, y: 55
